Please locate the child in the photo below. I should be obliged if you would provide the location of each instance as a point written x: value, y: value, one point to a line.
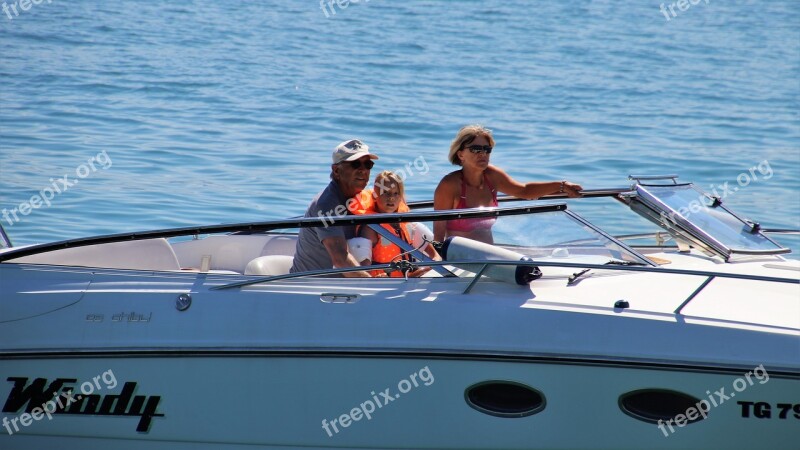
x: 389, y: 196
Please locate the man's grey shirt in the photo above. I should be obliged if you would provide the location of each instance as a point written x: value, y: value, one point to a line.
x: 310, y: 253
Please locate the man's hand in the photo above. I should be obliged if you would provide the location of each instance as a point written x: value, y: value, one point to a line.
x: 337, y: 249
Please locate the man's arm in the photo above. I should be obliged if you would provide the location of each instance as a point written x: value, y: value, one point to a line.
x: 337, y: 248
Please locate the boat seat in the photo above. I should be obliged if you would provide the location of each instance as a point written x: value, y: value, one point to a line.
x: 280, y: 245
x: 147, y: 254
x: 233, y: 252
x: 270, y: 265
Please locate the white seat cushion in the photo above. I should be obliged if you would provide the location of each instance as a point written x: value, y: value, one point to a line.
x: 269, y: 265
x: 147, y: 254
x: 280, y: 245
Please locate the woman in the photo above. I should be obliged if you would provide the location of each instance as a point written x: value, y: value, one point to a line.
x: 476, y: 184
x: 389, y: 194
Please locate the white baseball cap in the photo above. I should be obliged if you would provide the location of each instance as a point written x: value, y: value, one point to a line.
x: 351, y: 150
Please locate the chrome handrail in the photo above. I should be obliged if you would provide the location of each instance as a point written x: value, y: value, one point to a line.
x: 481, y: 262
x: 305, y: 222
x: 586, y: 193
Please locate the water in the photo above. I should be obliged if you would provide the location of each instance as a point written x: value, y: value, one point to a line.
x: 218, y: 112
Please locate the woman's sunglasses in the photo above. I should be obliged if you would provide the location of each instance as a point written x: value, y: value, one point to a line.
x: 480, y: 149
x: 368, y: 164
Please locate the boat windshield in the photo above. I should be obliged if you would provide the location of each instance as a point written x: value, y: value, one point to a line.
x: 688, y: 211
x: 4, y: 241
x: 544, y: 235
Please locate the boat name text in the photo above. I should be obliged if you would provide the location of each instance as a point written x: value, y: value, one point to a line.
x: 43, y: 399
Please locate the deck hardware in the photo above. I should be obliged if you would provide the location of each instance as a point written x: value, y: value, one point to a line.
x: 694, y: 294
x: 535, y: 274
x: 205, y: 263
x: 183, y: 302
x: 475, y: 279
x: 683, y: 246
x: 616, y: 262
x: 755, y: 227
x: 622, y: 304
x: 716, y: 201
x: 640, y: 178
x: 573, y: 279
x: 333, y: 297
x: 403, y: 266
x: 527, y: 276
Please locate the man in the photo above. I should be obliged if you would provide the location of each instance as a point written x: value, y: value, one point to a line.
x: 325, y: 247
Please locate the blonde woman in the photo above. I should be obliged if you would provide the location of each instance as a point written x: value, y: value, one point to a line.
x: 477, y: 183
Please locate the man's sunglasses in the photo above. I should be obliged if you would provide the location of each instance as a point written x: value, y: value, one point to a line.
x: 480, y: 149
x: 368, y: 164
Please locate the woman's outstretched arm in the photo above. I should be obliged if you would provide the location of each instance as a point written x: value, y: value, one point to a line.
x: 532, y: 190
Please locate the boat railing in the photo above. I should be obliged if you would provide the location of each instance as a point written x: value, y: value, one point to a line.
x: 266, y: 226
x: 586, y: 193
x: 483, y: 265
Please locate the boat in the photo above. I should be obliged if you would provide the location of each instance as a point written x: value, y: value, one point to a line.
x: 557, y: 335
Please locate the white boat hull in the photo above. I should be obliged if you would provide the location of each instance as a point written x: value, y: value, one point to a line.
x: 270, y: 401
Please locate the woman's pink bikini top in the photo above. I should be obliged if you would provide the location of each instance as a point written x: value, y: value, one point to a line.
x: 481, y: 223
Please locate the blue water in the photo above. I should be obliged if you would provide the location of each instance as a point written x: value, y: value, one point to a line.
x: 218, y: 112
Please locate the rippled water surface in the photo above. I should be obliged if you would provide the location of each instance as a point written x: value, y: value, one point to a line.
x: 200, y: 112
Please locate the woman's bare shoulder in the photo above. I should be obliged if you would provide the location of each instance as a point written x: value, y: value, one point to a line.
x: 450, y: 181
x: 493, y: 170
x: 452, y: 177
x: 496, y: 175
x: 448, y: 186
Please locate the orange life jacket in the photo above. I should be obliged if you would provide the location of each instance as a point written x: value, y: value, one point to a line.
x: 383, y: 251
x: 363, y: 203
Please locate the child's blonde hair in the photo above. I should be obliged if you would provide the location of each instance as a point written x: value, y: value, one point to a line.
x: 386, y: 180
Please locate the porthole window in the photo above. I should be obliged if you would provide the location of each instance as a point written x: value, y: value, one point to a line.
x: 652, y: 405
x: 504, y: 399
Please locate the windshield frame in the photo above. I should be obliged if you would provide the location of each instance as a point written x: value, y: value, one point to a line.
x: 5, y: 242
x: 686, y: 228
